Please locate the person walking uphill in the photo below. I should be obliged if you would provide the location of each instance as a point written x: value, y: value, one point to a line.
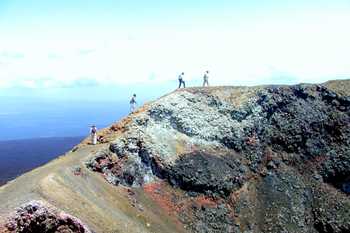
x: 93, y: 134
x: 206, y: 78
x: 181, y: 80
x: 133, y: 103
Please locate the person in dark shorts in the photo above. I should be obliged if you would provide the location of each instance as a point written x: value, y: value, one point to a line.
x: 206, y: 78
x: 181, y: 80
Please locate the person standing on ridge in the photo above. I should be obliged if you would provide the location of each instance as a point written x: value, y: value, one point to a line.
x: 206, y: 78
x: 93, y: 134
x: 181, y: 80
x: 133, y: 103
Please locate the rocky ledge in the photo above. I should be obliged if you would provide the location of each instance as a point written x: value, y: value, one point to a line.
x: 239, y: 159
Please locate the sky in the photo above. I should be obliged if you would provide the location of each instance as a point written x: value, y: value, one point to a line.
x: 54, y: 48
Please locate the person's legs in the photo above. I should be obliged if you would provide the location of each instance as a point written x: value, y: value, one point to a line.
x: 132, y: 107
x: 180, y: 83
x: 94, y: 139
x: 184, y: 84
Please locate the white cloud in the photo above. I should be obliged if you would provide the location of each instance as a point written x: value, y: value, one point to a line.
x: 311, y: 50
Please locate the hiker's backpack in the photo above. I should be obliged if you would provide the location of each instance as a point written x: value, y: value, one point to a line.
x: 93, y: 130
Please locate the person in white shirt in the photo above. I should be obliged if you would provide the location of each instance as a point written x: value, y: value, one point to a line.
x: 181, y: 80
x: 133, y: 103
x: 93, y: 134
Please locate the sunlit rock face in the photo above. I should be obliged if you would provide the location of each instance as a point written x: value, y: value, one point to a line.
x: 269, y: 159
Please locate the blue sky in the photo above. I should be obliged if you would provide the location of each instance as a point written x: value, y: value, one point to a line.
x: 53, y: 45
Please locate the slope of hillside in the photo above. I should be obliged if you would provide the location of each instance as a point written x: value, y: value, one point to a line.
x: 218, y: 159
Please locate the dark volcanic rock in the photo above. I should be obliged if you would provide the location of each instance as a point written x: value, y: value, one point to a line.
x: 331, y: 211
x: 215, y: 220
x: 205, y: 173
x: 283, y: 203
x: 310, y: 125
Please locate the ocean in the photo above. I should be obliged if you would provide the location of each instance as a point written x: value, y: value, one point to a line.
x: 20, y: 156
x: 34, y: 131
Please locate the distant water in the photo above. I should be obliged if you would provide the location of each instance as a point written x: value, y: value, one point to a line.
x: 19, y: 156
x: 35, y: 131
x: 25, y: 119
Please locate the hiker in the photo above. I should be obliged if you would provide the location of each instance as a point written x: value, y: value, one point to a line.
x: 93, y: 134
x: 181, y: 80
x: 206, y: 78
x: 133, y: 103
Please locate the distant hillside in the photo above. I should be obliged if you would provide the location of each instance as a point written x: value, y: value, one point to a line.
x: 341, y: 87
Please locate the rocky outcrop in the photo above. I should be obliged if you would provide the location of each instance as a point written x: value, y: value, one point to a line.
x: 270, y: 159
x: 38, y: 217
